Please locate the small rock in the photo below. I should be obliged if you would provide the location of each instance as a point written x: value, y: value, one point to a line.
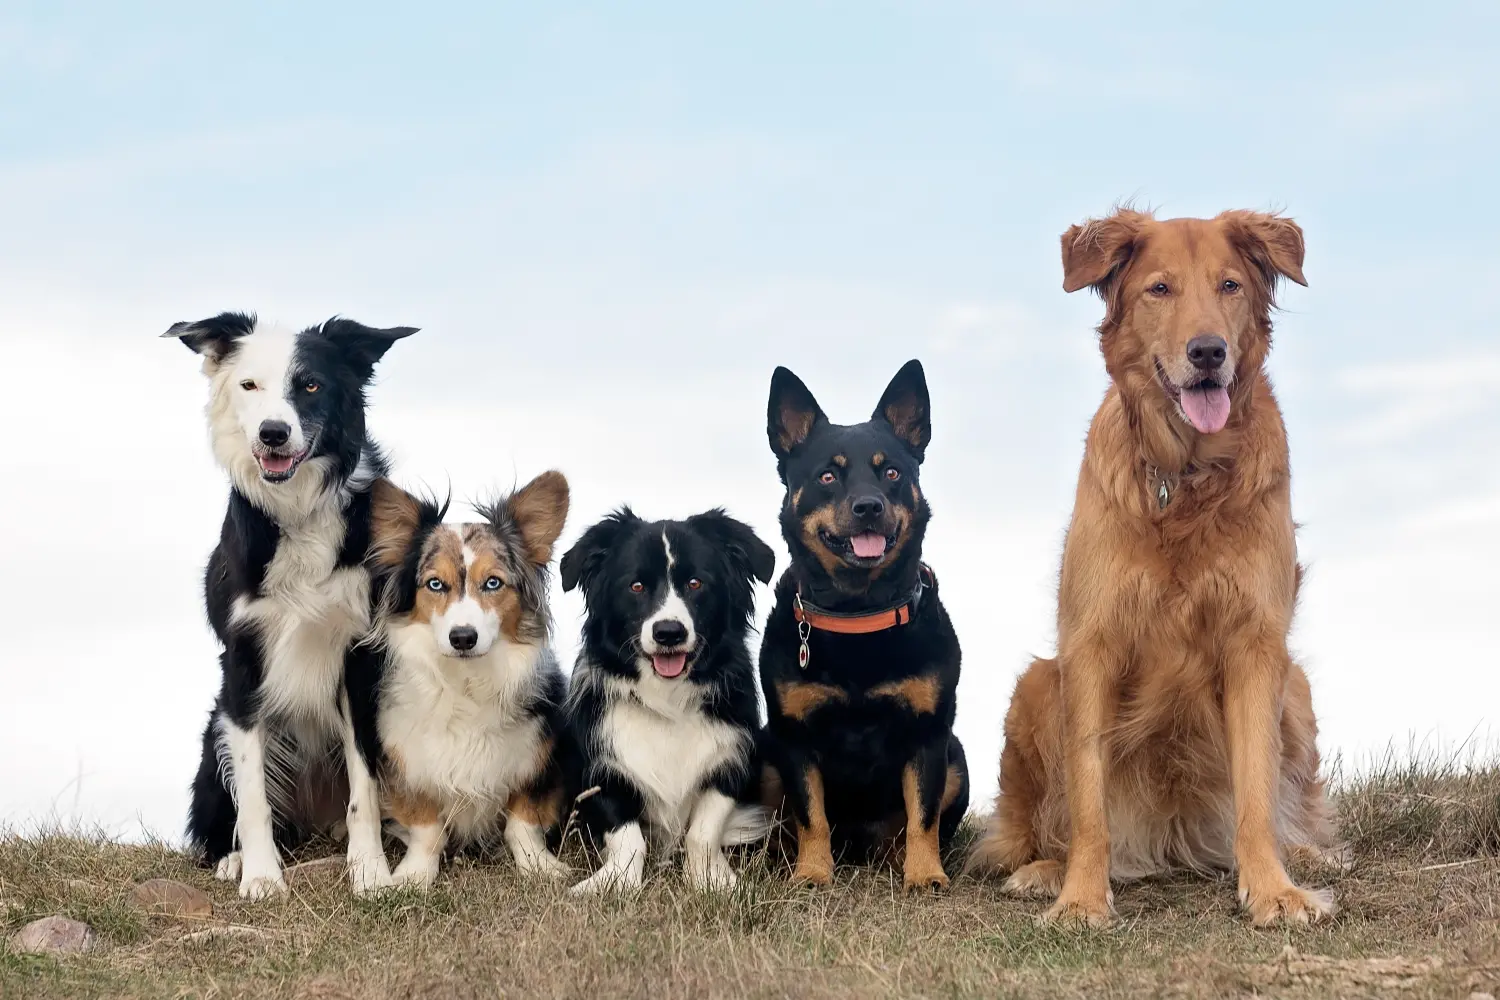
x: 317, y: 868
x: 1481, y: 996
x: 55, y: 934
x: 173, y: 899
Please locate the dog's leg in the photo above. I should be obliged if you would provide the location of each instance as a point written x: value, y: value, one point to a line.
x: 703, y: 852
x: 928, y: 787
x: 368, y: 868
x: 814, y: 835
x: 526, y: 821
x: 424, y: 855
x: 1254, y: 679
x: 260, y: 865
x: 1086, y: 686
x: 624, y: 866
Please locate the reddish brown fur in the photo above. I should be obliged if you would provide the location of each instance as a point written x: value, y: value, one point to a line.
x: 920, y: 693
x: 1173, y: 729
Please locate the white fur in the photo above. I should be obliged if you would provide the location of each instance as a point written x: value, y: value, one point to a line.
x: 368, y: 869
x: 624, y: 866
x: 260, y: 865
x: 703, y: 853
x: 466, y: 611
x: 459, y: 729
x: 424, y: 853
x: 672, y: 608
x: 666, y: 744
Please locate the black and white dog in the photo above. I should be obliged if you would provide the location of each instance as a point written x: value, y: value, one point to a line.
x: 662, y: 700
x: 288, y: 596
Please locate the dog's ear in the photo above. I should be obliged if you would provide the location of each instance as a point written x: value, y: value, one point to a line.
x: 364, y: 345
x: 1273, y: 244
x: 539, y: 509
x: 906, y: 407
x: 215, y: 337
x: 791, y: 414
x: 581, y: 562
x: 399, y: 522
x: 1094, y: 253
x: 749, y: 556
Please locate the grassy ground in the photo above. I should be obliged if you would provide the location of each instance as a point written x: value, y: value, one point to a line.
x: 1420, y: 918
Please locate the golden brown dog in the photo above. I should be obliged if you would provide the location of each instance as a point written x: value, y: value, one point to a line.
x: 1173, y: 729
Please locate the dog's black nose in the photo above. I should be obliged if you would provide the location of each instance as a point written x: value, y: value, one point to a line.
x: 867, y: 507
x: 275, y: 433
x: 463, y: 637
x: 669, y: 632
x: 1207, y: 351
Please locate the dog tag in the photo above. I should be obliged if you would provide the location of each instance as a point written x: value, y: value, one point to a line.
x: 803, y: 655
x: 1163, y: 494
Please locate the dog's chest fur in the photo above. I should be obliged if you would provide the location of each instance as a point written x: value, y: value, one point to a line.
x: 307, y: 613
x: 462, y: 731
x: 657, y: 733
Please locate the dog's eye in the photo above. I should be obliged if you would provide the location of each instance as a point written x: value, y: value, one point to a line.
x: 312, y: 385
x: 695, y: 584
x: 827, y: 478
x: 892, y: 473
x: 436, y: 585
x: 249, y: 385
x: 493, y: 583
x: 638, y: 587
x: 1231, y: 286
x: 1160, y: 289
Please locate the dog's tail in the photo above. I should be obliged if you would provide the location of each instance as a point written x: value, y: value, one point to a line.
x: 748, y: 824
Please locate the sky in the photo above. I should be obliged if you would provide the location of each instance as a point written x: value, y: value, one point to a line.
x: 611, y: 225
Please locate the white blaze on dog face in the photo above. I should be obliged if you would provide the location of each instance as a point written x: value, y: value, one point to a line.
x: 668, y: 636
x: 463, y: 592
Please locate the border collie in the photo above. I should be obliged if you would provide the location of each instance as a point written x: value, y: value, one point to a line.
x: 471, y: 695
x: 859, y: 663
x: 662, y: 701
x: 288, y: 596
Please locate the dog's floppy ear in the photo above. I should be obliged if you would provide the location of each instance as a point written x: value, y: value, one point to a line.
x: 364, y: 345
x: 744, y: 549
x: 538, y: 509
x: 791, y: 414
x: 1093, y: 253
x: 906, y: 407
x: 214, y: 337
x: 582, y: 561
x: 1272, y: 243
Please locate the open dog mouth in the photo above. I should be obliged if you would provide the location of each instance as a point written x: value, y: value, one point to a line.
x: 671, y: 663
x: 864, y: 549
x: 1203, y: 403
x: 276, y: 467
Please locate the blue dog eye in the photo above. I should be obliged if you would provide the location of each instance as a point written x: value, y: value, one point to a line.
x: 435, y: 584
x: 493, y: 583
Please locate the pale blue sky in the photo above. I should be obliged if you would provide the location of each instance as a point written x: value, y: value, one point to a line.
x: 612, y: 224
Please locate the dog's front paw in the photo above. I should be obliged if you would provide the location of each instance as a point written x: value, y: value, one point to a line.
x: 258, y: 887
x: 542, y: 865
x: 606, y: 880
x: 369, y: 875
x: 1079, y: 910
x: 228, y: 868
x: 813, y: 871
x: 1286, y: 904
x: 928, y: 878
x: 1037, y: 880
x: 714, y: 875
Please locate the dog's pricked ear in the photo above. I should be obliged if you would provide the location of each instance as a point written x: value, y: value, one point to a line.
x: 365, y: 345
x: 791, y: 414
x: 747, y: 553
x: 215, y: 337
x: 396, y: 518
x: 540, y: 508
x: 1093, y: 253
x: 582, y: 561
x: 1274, y: 244
x: 905, y: 406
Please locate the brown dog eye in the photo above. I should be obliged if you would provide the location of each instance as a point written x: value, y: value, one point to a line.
x: 1231, y: 286
x: 312, y: 385
x: 1160, y: 288
x: 892, y: 474
x: 827, y: 478
x: 637, y: 587
x: 695, y: 584
x: 249, y: 385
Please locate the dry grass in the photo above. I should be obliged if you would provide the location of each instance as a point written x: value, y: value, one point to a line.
x: 1421, y: 918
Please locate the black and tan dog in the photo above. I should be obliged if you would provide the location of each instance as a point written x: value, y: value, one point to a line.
x: 860, y: 662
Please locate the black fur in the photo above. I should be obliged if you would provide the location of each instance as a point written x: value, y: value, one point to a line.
x: 859, y: 739
x: 622, y: 549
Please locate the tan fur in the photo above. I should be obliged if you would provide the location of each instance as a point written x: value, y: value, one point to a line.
x: 920, y: 693
x: 922, y: 865
x: 540, y: 508
x: 394, y: 516
x: 798, y: 701
x: 815, y: 840
x: 1173, y: 729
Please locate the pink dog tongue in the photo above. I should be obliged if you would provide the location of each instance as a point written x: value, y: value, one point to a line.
x: 1206, y: 409
x: 276, y: 463
x: 868, y: 545
x: 669, y: 664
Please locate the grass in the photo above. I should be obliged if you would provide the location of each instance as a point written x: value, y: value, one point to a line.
x: 1420, y: 917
